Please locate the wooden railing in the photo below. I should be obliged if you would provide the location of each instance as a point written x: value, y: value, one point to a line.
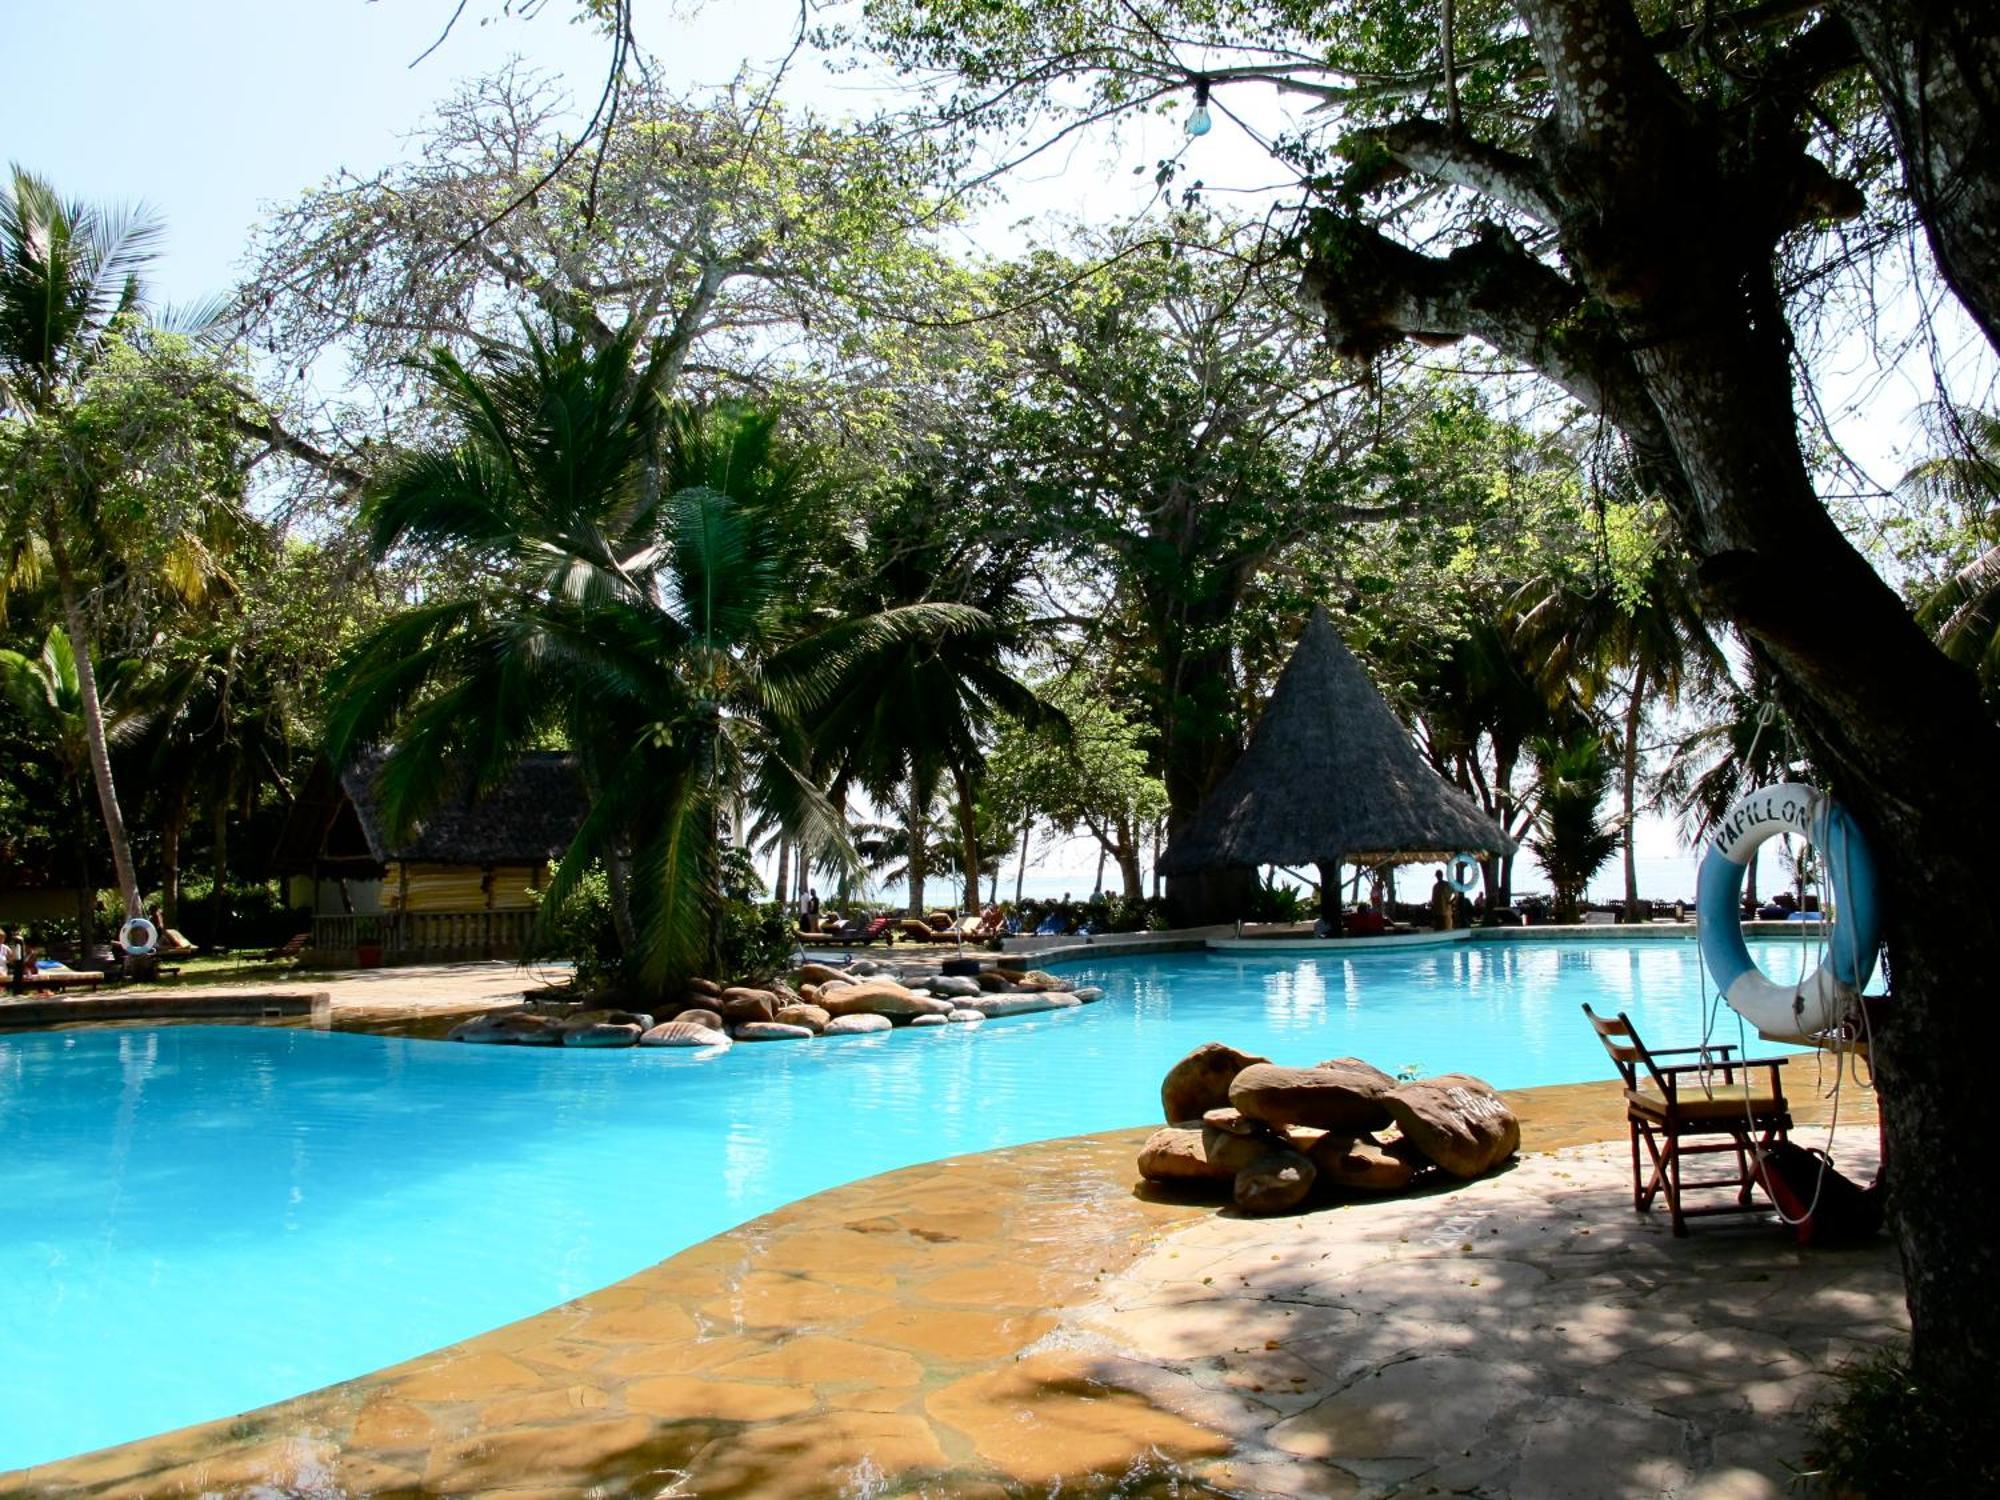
x: 421, y: 936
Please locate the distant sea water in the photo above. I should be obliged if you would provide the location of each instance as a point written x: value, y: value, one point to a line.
x: 1662, y: 877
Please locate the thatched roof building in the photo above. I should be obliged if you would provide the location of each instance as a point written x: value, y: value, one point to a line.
x: 337, y: 824
x: 1331, y: 776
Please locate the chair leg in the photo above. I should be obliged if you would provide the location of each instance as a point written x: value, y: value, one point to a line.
x: 1638, y: 1191
x: 1673, y: 1187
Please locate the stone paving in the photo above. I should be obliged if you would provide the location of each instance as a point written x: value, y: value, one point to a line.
x: 1024, y: 1323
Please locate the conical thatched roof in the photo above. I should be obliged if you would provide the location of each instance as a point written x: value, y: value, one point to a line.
x: 1330, y: 775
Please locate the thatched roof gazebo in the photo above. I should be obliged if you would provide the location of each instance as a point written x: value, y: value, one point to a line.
x: 1331, y: 776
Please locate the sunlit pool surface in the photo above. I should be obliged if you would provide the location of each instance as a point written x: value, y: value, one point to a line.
x: 195, y: 1220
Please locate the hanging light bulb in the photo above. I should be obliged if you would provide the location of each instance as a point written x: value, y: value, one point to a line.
x: 1199, y: 122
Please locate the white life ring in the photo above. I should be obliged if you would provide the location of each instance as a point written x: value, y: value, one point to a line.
x: 1826, y: 997
x: 147, y: 942
x: 1471, y: 879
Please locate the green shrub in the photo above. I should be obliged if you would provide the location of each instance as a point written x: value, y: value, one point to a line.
x: 753, y: 939
x: 583, y: 933
x: 1884, y: 1438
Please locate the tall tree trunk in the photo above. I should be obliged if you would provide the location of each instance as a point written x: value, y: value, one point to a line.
x: 917, y: 830
x: 170, y: 859
x: 1663, y: 313
x: 968, y: 837
x: 1329, y: 896
x: 1635, y: 713
x: 1021, y: 866
x: 1937, y: 65
x: 93, y: 723
x: 1200, y: 732
x: 781, y: 881
x: 86, y: 879
x: 1127, y: 855
x: 218, y: 849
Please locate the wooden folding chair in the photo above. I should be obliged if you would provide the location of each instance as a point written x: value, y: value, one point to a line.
x: 1711, y: 1106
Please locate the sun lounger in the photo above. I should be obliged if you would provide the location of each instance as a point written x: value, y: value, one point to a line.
x: 59, y: 979
x: 292, y: 947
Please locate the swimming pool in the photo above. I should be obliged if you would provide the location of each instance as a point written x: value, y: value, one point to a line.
x: 202, y: 1219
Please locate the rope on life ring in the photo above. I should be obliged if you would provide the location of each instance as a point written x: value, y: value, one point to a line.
x: 1471, y: 877
x: 145, y: 944
x: 1825, y: 998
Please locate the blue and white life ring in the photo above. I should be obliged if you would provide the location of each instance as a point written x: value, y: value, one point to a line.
x: 1451, y: 876
x: 1826, y: 997
x: 138, y: 936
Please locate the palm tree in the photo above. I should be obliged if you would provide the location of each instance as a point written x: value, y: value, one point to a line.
x: 69, y: 288
x: 1568, y: 839
x: 1639, y: 636
x: 629, y: 605
x: 1746, y: 742
x: 922, y: 712
x: 46, y: 692
x: 1962, y: 609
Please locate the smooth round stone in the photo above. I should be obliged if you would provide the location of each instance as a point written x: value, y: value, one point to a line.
x: 601, y: 1034
x: 859, y: 1024
x: 966, y: 1017
x: 1088, y: 993
x: 928, y: 1020
x: 509, y: 1029
x: 772, y: 1031
x: 680, y: 1033
x: 953, y: 984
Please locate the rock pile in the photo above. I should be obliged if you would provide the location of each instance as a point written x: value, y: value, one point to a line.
x: 817, y: 1001
x: 1279, y: 1136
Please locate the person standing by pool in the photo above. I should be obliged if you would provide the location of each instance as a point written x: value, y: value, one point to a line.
x: 1440, y: 902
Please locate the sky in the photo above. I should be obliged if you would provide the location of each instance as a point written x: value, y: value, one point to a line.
x: 214, y: 111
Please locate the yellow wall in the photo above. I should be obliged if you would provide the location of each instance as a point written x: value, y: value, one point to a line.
x: 421, y: 887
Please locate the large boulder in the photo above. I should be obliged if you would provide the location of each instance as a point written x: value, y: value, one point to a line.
x: 509, y: 1028
x: 1458, y: 1121
x: 740, y: 1006
x: 702, y: 1016
x: 706, y: 987
x: 1273, y: 1183
x: 1174, y: 1153
x: 1359, y: 1166
x: 994, y: 982
x: 1233, y: 1151
x: 882, y: 997
x: 953, y: 984
x: 684, y: 1033
x: 820, y: 974
x: 1348, y: 1099
x: 812, y: 1017
x: 769, y: 1031
x: 1356, y: 1066
x: 1200, y: 1081
x: 601, y: 1034
x: 859, y: 1024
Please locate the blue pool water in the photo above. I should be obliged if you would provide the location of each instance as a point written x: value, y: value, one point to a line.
x: 199, y: 1219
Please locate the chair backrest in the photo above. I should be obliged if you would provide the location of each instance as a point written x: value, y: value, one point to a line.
x: 1628, y: 1053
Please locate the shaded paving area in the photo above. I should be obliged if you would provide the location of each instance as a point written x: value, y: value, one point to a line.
x: 1022, y: 1323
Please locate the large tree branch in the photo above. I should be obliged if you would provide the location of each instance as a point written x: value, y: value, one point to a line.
x: 1434, y: 151
x: 267, y: 428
